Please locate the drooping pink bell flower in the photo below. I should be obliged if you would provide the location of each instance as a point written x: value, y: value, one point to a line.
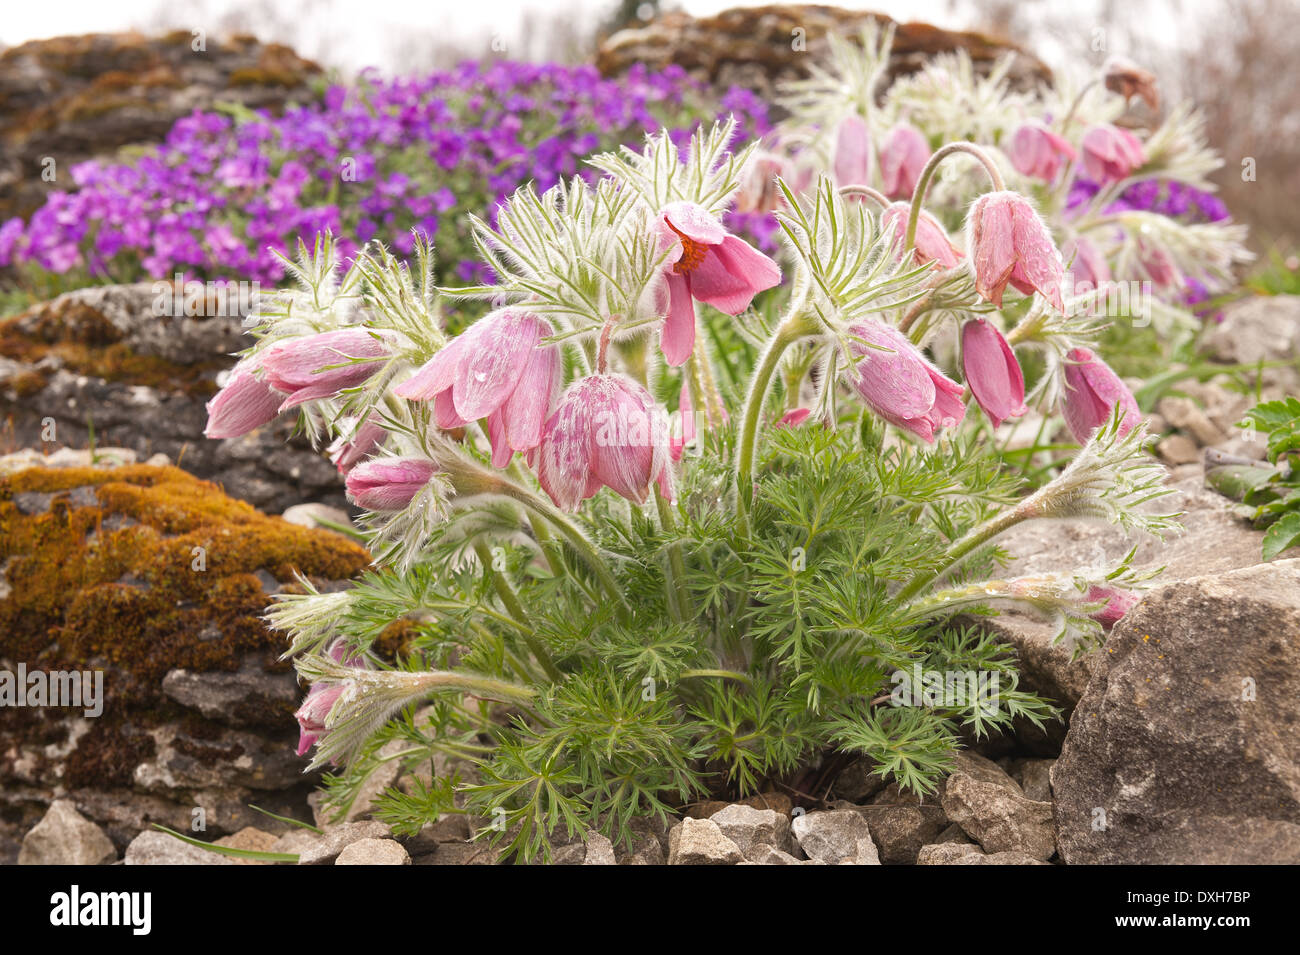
x: 1038, y: 152
x: 902, y: 158
x: 899, y: 384
x: 1092, y: 390
x: 1110, y: 154
x: 322, y: 365
x: 1009, y: 243
x: 709, y: 264
x: 321, y: 698
x: 1158, y: 264
x: 1118, y: 603
x: 388, y: 484
x: 497, y: 369
x: 244, y: 404
x: 851, y: 162
x: 1087, y: 269
x: 606, y: 432
x: 932, y: 242
x: 992, y: 371
x: 344, y: 454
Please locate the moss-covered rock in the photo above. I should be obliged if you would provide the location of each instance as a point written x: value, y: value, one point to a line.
x: 159, y: 580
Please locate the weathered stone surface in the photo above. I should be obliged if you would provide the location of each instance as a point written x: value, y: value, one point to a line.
x: 701, y: 842
x: 992, y: 809
x: 600, y: 851
x: 752, y: 46
x: 103, y: 355
x: 157, y: 848
x: 252, y: 839
x: 323, y: 848
x: 66, y: 837
x: 836, y: 837
x: 1213, y: 540
x: 749, y: 828
x: 954, y: 853
x: 77, y: 97
x: 1262, y: 328
x: 1034, y: 777
x: 373, y: 852
x: 1183, y: 744
x: 767, y: 855
x: 903, y: 822
x: 147, y: 577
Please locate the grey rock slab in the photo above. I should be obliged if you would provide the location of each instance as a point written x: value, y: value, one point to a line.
x: 701, y: 842
x: 993, y: 810
x: 836, y: 837
x: 373, y: 852
x: 66, y: 837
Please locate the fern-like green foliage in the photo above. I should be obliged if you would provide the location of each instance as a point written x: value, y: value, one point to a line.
x: 1273, y: 491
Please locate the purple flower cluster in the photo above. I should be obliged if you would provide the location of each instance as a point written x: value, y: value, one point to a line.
x: 373, y: 161
x: 1177, y: 200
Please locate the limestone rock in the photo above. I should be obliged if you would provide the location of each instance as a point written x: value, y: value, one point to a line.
x: 324, y: 848
x: 701, y: 842
x: 158, y: 848
x: 903, y: 822
x: 750, y: 828
x: 993, y: 810
x: 953, y: 853
x: 1180, y: 750
x: 836, y: 837
x: 373, y: 852
x: 66, y: 837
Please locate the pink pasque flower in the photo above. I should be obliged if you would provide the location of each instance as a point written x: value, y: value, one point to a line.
x: 1038, y: 152
x: 1110, y: 154
x: 902, y: 157
x: 606, y: 432
x: 932, y: 242
x: 321, y: 697
x: 992, y: 371
x: 388, y: 484
x: 794, y: 417
x: 851, y: 162
x: 1118, y: 603
x: 709, y: 264
x: 245, y: 403
x: 322, y: 365
x: 1160, y: 266
x: 758, y: 189
x: 1087, y: 269
x: 1009, y: 243
x: 496, y: 369
x: 368, y: 438
x: 1091, y: 393
x: 899, y: 384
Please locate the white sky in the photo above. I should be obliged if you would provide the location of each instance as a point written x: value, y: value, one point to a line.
x: 358, y: 33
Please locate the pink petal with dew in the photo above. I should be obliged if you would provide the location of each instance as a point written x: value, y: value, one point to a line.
x: 896, y: 380
x: 490, y: 367
x: 695, y: 222
x: 245, y: 403
x: 992, y: 246
x: 525, y: 412
x: 437, y: 375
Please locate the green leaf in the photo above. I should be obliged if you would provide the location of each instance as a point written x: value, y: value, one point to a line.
x: 231, y: 850
x: 1282, y: 535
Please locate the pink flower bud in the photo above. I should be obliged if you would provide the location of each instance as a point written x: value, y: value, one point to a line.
x: 851, y: 164
x: 1158, y: 264
x: 794, y: 417
x: 713, y: 417
x: 1118, y: 603
x: 245, y: 403
x: 899, y: 384
x: 321, y: 697
x: 320, y: 366
x: 1110, y: 154
x: 388, y: 484
x: 758, y: 189
x: 1088, y: 268
x: 1038, y: 152
x: 709, y: 264
x: 1092, y: 390
x: 992, y: 371
x: 932, y: 242
x: 497, y: 369
x: 365, y: 441
x: 606, y: 432
x: 1009, y: 243
x: 902, y: 157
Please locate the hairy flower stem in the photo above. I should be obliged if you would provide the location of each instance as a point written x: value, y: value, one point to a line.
x: 927, y: 174
x: 679, y: 599
x: 866, y: 192
x: 787, y: 333
x: 976, y: 538
x: 511, y: 601
x: 719, y: 674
